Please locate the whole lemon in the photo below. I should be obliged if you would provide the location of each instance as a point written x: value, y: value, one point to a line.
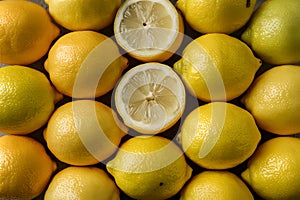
x: 149, y: 167
x: 83, y: 14
x: 85, y: 64
x: 274, y: 32
x: 25, y: 168
x: 86, y: 183
x: 26, y: 32
x: 26, y: 99
x: 219, y: 135
x: 216, y: 16
x: 83, y: 132
x: 221, y: 185
x: 217, y: 67
x: 273, y: 100
x: 273, y: 171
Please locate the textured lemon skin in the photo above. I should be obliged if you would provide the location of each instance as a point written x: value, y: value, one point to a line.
x: 25, y: 168
x: 83, y: 14
x: 274, y: 33
x: 26, y: 32
x: 273, y: 171
x: 26, y: 99
x: 217, y: 67
x: 238, y: 135
x: 216, y: 16
x: 86, y: 183
x: 65, y: 64
x: 273, y: 100
x: 143, y: 171
x: 83, y: 132
x: 221, y: 185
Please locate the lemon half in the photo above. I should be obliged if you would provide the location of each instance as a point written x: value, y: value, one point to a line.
x: 150, y: 98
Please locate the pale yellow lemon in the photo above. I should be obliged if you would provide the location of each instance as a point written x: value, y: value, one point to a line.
x: 27, y: 99
x: 149, y: 30
x: 273, y: 171
x: 216, y: 16
x: 85, y: 64
x: 273, y: 100
x: 86, y: 183
x: 83, y: 132
x: 25, y: 168
x: 26, y: 32
x: 219, y: 135
x: 274, y: 32
x: 83, y: 14
x: 221, y: 185
x: 217, y: 67
x: 149, y: 167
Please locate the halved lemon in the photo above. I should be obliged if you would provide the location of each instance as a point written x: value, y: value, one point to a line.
x: 150, y: 98
x: 148, y: 30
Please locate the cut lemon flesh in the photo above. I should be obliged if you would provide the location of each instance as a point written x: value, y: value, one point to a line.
x: 150, y: 98
x: 148, y: 29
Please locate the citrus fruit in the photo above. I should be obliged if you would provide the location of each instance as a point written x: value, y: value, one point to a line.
x: 150, y: 98
x: 149, y: 167
x: 26, y: 99
x: 83, y: 14
x: 86, y: 183
x: 217, y: 67
x: 148, y: 30
x: 219, y: 135
x: 274, y: 32
x: 273, y: 171
x: 83, y: 132
x: 25, y: 168
x: 221, y: 185
x: 216, y: 16
x: 26, y: 32
x: 84, y: 64
x: 273, y: 100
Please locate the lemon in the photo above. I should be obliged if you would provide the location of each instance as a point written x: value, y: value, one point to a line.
x: 83, y: 132
x: 85, y: 64
x: 150, y: 98
x: 221, y: 185
x: 274, y: 32
x: 217, y: 67
x: 219, y: 135
x: 26, y: 32
x: 149, y: 167
x: 216, y: 16
x: 149, y: 30
x: 86, y: 183
x: 83, y: 14
x: 25, y: 168
x: 26, y: 99
x: 273, y: 100
x: 273, y: 171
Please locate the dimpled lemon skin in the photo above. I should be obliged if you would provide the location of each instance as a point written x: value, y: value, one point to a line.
x: 221, y: 185
x: 26, y: 99
x: 26, y: 32
x: 65, y: 64
x: 149, y: 167
x: 25, y: 168
x: 216, y: 16
x: 83, y: 14
x: 214, y: 59
x: 83, y: 132
x: 273, y: 100
x: 86, y: 183
x: 274, y: 32
x: 235, y: 129
x: 273, y: 171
